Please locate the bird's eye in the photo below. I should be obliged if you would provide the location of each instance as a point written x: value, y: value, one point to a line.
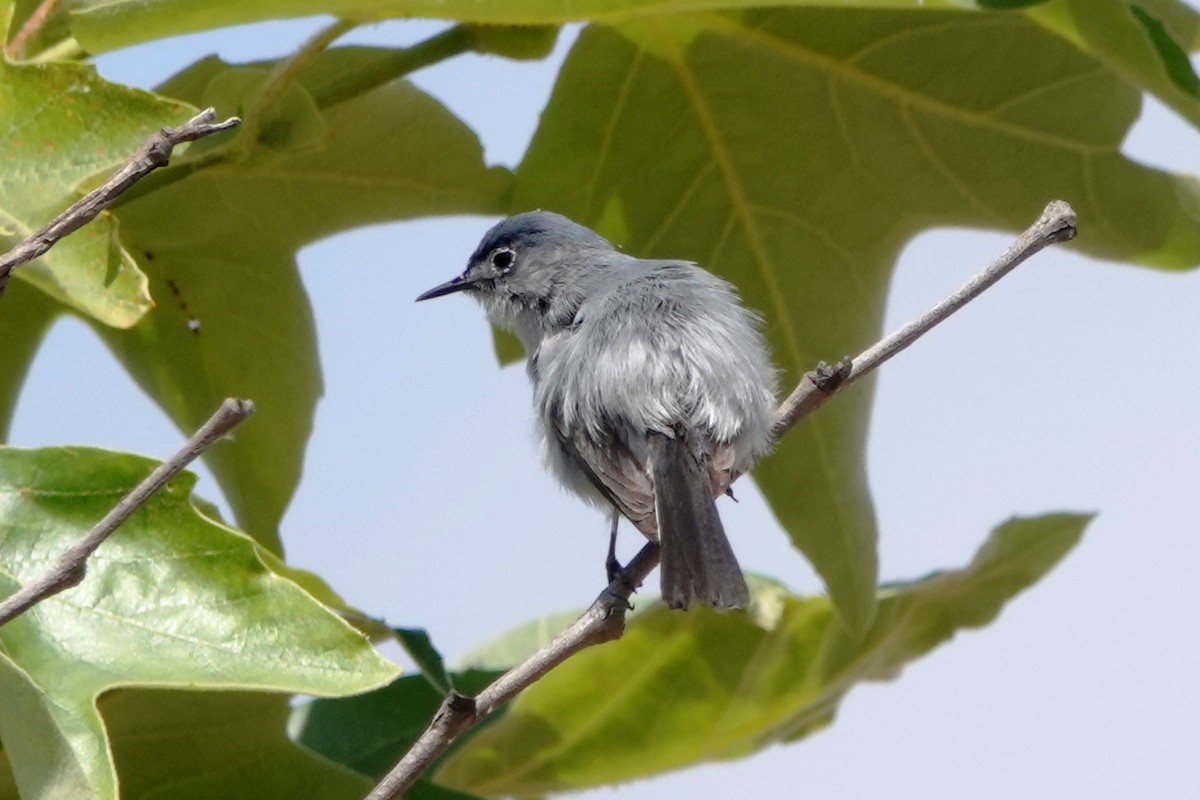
x: 502, y: 259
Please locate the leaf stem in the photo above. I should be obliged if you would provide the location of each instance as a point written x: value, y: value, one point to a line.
x: 451, y: 42
x: 282, y: 76
x: 15, y: 49
x: 439, y: 47
x: 66, y: 50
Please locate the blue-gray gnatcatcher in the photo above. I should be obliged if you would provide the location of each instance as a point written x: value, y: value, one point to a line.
x: 652, y: 385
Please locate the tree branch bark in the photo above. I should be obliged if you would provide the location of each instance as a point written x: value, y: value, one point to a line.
x: 1056, y: 224
x: 605, y: 618
x: 154, y: 152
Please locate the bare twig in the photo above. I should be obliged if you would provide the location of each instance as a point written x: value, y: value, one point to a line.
x: 602, y: 622
x: 605, y: 619
x: 71, y: 566
x: 153, y: 153
x: 1056, y: 224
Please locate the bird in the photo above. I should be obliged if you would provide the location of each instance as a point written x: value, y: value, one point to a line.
x: 653, y: 387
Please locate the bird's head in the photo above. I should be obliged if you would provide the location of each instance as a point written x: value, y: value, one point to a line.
x: 528, y: 268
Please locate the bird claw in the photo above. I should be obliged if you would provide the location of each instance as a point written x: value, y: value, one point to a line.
x: 613, y: 568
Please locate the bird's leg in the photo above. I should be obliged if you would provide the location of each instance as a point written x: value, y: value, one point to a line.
x: 611, y: 565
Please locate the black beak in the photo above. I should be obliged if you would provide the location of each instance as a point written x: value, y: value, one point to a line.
x: 449, y: 287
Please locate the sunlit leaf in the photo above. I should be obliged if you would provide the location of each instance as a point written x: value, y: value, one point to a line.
x: 172, y: 599
x: 796, y: 154
x: 679, y: 688
x: 59, y: 125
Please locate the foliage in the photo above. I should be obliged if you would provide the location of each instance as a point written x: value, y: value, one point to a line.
x: 793, y: 149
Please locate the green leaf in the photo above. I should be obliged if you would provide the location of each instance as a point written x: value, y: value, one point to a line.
x: 60, y: 124
x: 518, y: 644
x: 796, y: 154
x: 8, y: 784
x: 369, y: 733
x: 228, y: 745
x: 1101, y: 26
x: 1134, y: 41
x: 25, y: 316
x: 419, y: 646
x: 1179, y: 18
x: 518, y: 42
x: 219, y: 247
x: 1174, y: 58
x: 679, y: 688
x: 172, y: 599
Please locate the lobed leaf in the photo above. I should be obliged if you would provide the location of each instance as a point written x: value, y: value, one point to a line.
x: 219, y: 246
x: 232, y: 745
x: 1122, y: 33
x: 60, y: 125
x: 681, y: 688
x: 796, y: 154
x: 371, y: 732
x: 172, y: 599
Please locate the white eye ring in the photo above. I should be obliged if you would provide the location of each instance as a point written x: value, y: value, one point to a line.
x: 502, y: 259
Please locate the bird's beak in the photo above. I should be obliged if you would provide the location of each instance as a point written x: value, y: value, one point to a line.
x: 449, y: 287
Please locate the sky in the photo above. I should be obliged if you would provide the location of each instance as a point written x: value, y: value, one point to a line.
x: 1069, y: 386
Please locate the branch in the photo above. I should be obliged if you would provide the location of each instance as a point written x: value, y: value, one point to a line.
x: 605, y: 619
x: 153, y: 153
x: 1056, y: 224
x: 602, y: 622
x: 71, y: 566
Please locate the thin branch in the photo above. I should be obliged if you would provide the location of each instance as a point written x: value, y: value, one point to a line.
x: 153, y: 153
x: 602, y: 622
x: 605, y: 619
x: 15, y: 49
x: 71, y: 566
x: 1056, y: 224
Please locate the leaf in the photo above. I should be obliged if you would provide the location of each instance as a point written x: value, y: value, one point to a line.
x: 679, y: 688
x: 369, y: 733
x: 796, y: 154
x: 518, y: 644
x: 172, y: 599
x: 219, y: 247
x: 1106, y: 28
x: 25, y: 316
x: 419, y: 646
x: 59, y: 125
x: 1133, y: 39
x: 231, y: 745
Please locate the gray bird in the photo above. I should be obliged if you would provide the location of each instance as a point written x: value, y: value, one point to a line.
x: 652, y: 386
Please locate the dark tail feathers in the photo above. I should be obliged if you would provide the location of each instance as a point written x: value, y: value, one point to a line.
x: 697, y: 562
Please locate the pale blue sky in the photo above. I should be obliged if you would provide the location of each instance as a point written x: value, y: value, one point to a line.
x: 1072, y: 385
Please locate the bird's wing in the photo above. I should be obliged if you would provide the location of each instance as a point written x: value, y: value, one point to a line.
x: 617, y: 475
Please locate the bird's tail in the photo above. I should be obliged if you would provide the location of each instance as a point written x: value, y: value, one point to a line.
x: 697, y: 562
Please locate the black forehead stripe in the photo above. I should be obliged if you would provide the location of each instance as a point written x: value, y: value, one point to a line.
x: 528, y: 234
